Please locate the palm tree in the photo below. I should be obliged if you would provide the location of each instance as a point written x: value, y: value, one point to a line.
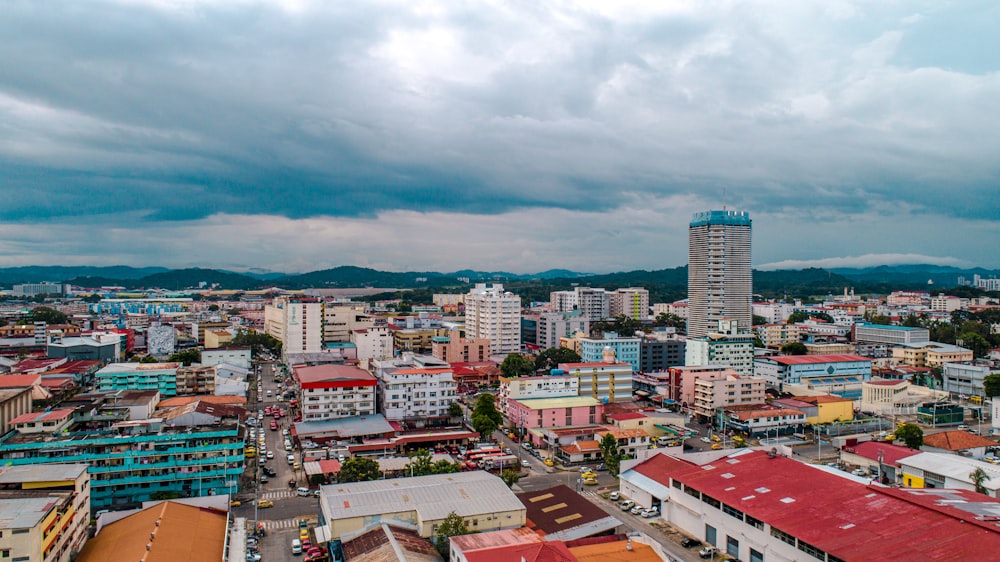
x: 979, y: 478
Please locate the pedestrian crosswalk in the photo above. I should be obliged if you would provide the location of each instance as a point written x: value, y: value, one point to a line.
x: 281, y: 524
x: 278, y: 494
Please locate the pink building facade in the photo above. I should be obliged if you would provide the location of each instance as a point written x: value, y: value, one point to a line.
x: 537, y: 413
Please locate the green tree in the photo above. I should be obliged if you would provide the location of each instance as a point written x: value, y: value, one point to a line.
x: 794, y: 348
x: 187, y: 357
x: 911, y: 434
x: 553, y: 356
x: 977, y: 343
x: 213, y: 308
x: 359, y: 469
x: 991, y: 385
x: 257, y: 342
x: 148, y: 359
x: 609, y: 452
x: 92, y: 298
x: 979, y: 478
x: 758, y: 320
x: 670, y: 320
x: 510, y: 477
x: 912, y: 321
x: 455, y: 410
x: 517, y: 365
x: 422, y: 463
x: 796, y: 317
x: 45, y: 314
x: 485, y: 417
x: 452, y: 526
x: 623, y: 325
x: 880, y: 319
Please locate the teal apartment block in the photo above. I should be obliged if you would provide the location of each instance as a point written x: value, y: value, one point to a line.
x: 139, y: 376
x: 136, y: 459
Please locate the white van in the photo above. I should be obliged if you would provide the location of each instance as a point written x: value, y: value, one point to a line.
x: 296, y: 546
x: 304, y: 492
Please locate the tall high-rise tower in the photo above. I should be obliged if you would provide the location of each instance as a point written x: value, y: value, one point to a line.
x: 492, y: 313
x: 720, y: 278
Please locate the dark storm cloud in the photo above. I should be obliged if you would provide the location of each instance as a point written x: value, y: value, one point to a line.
x: 178, y: 111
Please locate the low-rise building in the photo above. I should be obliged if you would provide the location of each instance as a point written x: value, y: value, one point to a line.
x: 958, y: 442
x: 481, y: 499
x: 836, y: 374
x: 416, y: 389
x: 939, y: 470
x: 529, y: 388
x: 877, y: 459
x: 607, y: 381
x: 931, y: 354
x: 335, y: 391
x: 13, y: 403
x: 966, y: 379
x: 561, y: 514
x: 763, y: 419
x: 726, y: 346
x: 554, y: 412
x: 44, y: 512
x: 711, y: 395
x: 139, y: 376
x: 453, y: 348
x: 891, y: 335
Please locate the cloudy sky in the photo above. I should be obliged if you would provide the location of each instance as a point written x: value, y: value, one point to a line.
x: 518, y: 136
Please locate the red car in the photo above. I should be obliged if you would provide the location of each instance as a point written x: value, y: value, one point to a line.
x: 274, y: 425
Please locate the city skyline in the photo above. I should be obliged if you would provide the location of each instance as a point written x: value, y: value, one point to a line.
x: 300, y: 136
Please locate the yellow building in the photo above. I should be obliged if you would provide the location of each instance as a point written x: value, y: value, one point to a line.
x: 214, y: 339
x: 930, y: 354
x: 44, y: 511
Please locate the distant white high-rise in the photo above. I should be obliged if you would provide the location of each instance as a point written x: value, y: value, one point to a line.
x: 720, y: 277
x: 492, y: 313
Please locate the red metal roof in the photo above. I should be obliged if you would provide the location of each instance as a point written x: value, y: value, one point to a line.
x: 41, y: 416
x: 891, y: 454
x: 333, y: 376
x: 626, y: 416
x: 19, y: 381
x: 812, y: 359
x: 661, y: 467
x: 849, y: 520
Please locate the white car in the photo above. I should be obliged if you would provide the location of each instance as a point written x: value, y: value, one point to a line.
x: 614, y: 496
x: 270, y: 454
x: 526, y: 464
x: 651, y: 512
x: 585, y: 469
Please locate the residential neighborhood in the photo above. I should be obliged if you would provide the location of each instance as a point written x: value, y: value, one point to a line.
x: 476, y: 425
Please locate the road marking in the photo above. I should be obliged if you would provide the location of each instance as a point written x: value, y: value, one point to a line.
x: 281, y: 494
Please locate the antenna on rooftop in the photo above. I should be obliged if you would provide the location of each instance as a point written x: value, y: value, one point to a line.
x: 723, y: 199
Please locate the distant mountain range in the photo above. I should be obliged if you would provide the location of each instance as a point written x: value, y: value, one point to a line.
x: 663, y: 284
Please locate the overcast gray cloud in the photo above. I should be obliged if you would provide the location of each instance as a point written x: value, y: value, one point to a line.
x: 513, y: 135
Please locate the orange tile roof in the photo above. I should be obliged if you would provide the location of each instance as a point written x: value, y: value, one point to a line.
x: 185, y: 532
x: 615, y: 551
x: 956, y: 440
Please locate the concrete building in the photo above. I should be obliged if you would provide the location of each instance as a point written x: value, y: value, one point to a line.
x: 533, y: 413
x: 720, y: 278
x: 594, y: 304
x: 101, y: 346
x: 214, y: 339
x: 776, y: 335
x: 453, y: 348
x: 416, y: 389
x: 711, y: 395
x: 966, y: 379
x: 838, y: 374
x: 297, y: 322
x: 131, y: 460
x: 625, y: 348
x: 161, y: 340
x: 341, y: 319
x: 896, y: 397
x: 44, y: 512
x: 606, y: 381
x: 930, y: 354
x: 632, y: 302
x: 13, y: 403
x: 373, y: 343
x: 195, y: 379
x: 660, y: 353
x: 139, y: 376
x: 550, y: 327
x: 334, y: 391
x: 528, y: 388
x: 35, y: 289
x: 724, y: 347
x: 892, y: 335
x: 233, y: 355
x: 481, y: 499
x: 492, y: 313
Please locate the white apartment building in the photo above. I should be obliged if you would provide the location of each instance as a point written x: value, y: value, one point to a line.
x: 948, y: 303
x: 734, y: 390
x: 373, y: 343
x: 492, y: 313
x: 415, y: 389
x: 526, y: 388
x: 593, y: 303
x: 297, y: 322
x: 331, y: 391
x: 632, y: 302
x: 773, y: 312
x: 725, y: 347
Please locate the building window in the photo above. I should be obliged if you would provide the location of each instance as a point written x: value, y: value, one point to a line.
x: 782, y: 536
x: 812, y: 550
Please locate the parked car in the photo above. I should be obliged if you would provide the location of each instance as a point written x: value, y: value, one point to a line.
x: 614, y: 496
x: 651, y: 512
x: 688, y: 542
x: 590, y: 481
x: 627, y: 505
x: 585, y: 469
x: 304, y: 492
x: 296, y: 546
x: 636, y: 510
x: 525, y: 463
